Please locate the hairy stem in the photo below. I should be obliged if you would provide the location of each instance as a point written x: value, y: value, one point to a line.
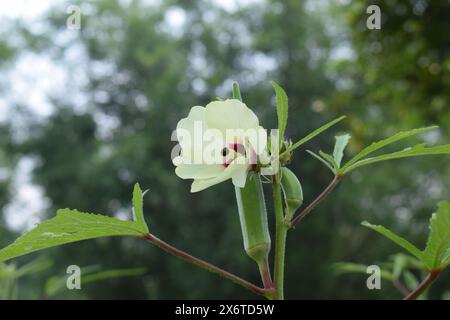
x: 317, y: 200
x: 423, y: 285
x: 207, y: 266
x: 280, y: 240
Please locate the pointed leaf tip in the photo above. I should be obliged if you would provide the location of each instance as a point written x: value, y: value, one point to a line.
x: 138, y: 207
x: 282, y: 108
x: 405, y: 244
x: 339, y: 147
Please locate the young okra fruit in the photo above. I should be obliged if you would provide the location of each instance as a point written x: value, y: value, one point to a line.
x: 253, y: 218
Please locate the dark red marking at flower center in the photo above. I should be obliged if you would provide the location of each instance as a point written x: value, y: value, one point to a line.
x: 237, y: 148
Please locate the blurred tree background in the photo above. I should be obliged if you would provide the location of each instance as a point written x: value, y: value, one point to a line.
x: 136, y: 67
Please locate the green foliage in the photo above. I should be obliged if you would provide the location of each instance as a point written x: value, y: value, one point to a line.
x: 138, y: 208
x: 417, y: 150
x: 339, y: 146
x: 324, y: 159
x: 11, y: 273
x: 70, y: 226
x: 311, y: 135
x: 383, y: 143
x: 334, y: 162
x: 403, y: 70
x: 436, y: 255
x: 56, y: 285
x: 236, y: 91
x: 437, y: 252
x: 399, y: 269
x: 282, y: 109
x: 395, y: 238
x: 388, y: 83
x: 348, y: 267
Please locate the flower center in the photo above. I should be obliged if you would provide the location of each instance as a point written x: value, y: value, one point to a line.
x: 233, y: 150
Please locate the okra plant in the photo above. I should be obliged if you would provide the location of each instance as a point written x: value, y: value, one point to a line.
x: 225, y: 141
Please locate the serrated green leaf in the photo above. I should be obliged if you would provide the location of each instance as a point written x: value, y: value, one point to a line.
x: 138, y: 207
x: 437, y: 252
x: 405, y: 244
x: 311, y: 135
x: 339, y: 146
x: 417, y: 150
x: 436, y: 255
x: 325, y: 162
x: 282, y: 109
x: 70, y: 226
x: 381, y: 144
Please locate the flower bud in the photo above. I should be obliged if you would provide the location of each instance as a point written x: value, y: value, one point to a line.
x: 253, y: 218
x: 293, y: 193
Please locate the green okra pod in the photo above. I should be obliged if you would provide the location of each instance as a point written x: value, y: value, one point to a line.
x: 253, y: 218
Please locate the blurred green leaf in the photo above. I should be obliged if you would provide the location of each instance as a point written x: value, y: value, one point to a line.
x: 348, y: 267
x: 410, y: 280
x: 56, y: 284
x: 35, y: 266
x: 400, y: 263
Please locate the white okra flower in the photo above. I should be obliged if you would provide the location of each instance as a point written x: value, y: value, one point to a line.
x: 219, y: 142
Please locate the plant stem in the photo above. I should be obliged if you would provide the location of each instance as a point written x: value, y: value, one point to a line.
x: 207, y: 266
x: 423, y: 285
x: 317, y: 200
x: 400, y: 287
x: 264, y: 270
x: 280, y: 239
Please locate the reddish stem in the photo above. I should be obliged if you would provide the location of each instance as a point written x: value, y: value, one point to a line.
x: 423, y: 285
x: 316, y: 201
x: 206, y: 265
x: 266, y: 278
